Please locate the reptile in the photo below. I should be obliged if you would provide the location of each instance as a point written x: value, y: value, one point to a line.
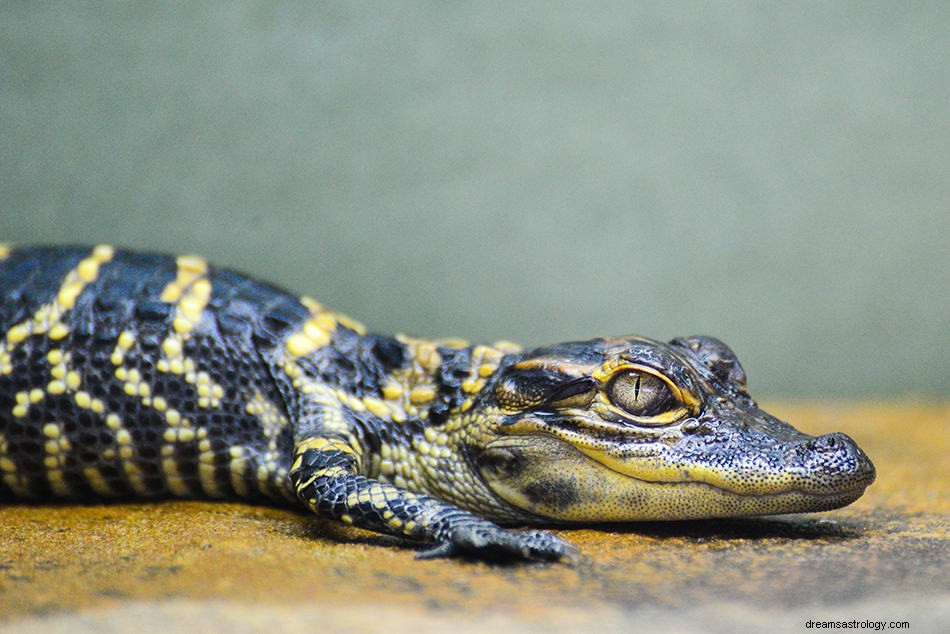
x: 127, y: 375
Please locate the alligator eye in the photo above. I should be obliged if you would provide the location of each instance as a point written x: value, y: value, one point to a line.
x: 642, y: 394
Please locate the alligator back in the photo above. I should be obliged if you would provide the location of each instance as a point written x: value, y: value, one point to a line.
x: 126, y: 374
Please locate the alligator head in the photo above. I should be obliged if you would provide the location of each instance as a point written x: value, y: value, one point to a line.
x: 633, y: 429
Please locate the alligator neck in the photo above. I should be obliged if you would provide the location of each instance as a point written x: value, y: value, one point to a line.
x: 397, y: 379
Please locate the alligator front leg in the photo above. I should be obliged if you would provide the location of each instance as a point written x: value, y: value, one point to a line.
x: 326, y: 477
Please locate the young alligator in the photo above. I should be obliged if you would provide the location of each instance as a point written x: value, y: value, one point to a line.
x: 126, y: 375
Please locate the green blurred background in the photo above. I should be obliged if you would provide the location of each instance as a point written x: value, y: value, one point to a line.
x: 775, y: 174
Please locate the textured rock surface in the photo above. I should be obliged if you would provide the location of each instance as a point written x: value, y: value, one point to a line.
x: 234, y: 567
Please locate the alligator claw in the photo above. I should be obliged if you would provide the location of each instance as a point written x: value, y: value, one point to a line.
x: 500, y: 545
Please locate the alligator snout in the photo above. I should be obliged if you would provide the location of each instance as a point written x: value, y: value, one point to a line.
x: 834, y: 463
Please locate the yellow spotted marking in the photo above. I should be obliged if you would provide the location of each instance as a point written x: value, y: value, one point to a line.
x: 238, y: 467
x: 317, y: 331
x: 97, y: 482
x: 324, y: 444
x: 380, y: 503
x: 126, y: 340
x: 181, y: 325
x: 18, y: 333
x: 5, y: 250
x: 125, y: 453
x: 58, y: 371
x: 22, y: 404
x: 194, y: 302
x: 190, y: 292
x: 271, y: 416
x: 330, y: 472
x: 209, y: 391
x: 58, y: 331
x: 377, y: 407
x: 57, y: 445
x: 73, y: 380
x: 70, y: 291
x: 48, y: 318
x: 173, y: 477
x: 172, y: 347
x: 207, y: 474
x: 273, y: 421
x: 427, y: 355
x: 88, y: 270
x: 189, y: 269
x: 8, y: 469
x: 471, y: 386
x: 102, y: 253
x: 422, y: 394
x: 83, y: 399
x: 311, y: 337
x: 393, y: 391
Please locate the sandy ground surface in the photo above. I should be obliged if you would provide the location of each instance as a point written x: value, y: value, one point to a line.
x: 198, y: 566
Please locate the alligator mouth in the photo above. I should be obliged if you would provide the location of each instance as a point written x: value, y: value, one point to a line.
x: 691, y: 499
x: 565, y: 482
x: 793, y: 500
x: 811, y: 475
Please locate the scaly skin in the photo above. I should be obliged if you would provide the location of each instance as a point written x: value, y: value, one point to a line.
x: 127, y: 375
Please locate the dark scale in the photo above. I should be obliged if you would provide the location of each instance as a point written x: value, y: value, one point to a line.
x: 128, y: 375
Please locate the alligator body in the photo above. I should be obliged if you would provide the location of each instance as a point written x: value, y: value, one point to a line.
x: 127, y: 375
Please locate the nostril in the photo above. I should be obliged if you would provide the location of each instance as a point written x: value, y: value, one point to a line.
x: 828, y: 442
x: 836, y: 462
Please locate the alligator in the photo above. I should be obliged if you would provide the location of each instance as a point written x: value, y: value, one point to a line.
x: 129, y: 375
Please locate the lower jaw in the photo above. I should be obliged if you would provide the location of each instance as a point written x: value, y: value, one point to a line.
x: 693, y: 502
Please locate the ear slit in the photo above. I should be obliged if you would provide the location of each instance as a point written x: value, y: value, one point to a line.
x: 540, y: 386
x: 573, y: 388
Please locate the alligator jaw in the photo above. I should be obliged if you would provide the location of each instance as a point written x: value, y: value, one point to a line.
x: 740, y: 468
x: 554, y: 479
x: 818, y: 474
